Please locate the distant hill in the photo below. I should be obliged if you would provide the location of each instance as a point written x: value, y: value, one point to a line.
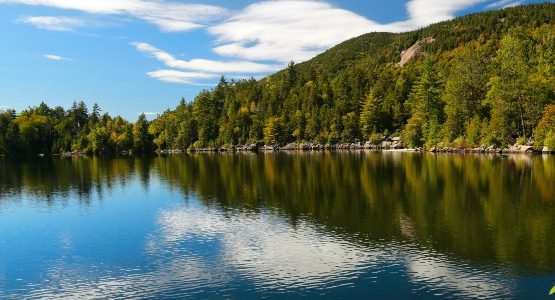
x: 481, y: 79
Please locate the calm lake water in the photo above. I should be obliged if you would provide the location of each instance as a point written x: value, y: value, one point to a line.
x: 329, y: 225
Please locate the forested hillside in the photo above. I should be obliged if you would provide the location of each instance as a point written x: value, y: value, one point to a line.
x: 486, y: 78
x: 483, y: 79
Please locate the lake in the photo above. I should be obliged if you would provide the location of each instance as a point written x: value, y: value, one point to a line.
x: 278, y: 225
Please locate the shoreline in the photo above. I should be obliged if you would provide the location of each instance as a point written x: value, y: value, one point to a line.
x: 308, y: 147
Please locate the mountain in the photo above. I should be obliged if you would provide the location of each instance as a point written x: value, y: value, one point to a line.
x: 485, y: 79
x: 481, y: 79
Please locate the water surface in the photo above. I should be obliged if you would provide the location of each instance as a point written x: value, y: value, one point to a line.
x: 334, y: 225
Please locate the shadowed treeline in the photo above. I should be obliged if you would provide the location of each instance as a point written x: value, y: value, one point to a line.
x: 486, y: 209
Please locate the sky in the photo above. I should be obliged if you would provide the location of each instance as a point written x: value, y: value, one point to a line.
x: 143, y: 56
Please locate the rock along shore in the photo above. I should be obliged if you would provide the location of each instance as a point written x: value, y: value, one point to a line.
x: 390, y: 144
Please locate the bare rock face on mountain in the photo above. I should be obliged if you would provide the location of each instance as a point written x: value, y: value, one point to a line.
x: 414, y: 51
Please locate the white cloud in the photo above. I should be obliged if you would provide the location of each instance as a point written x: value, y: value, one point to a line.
x: 53, y: 23
x: 168, y: 16
x: 174, y: 76
x: 52, y: 57
x: 517, y: 3
x: 204, y: 65
x: 287, y: 30
x: 55, y: 57
x: 503, y: 4
x: 426, y: 12
x: 300, y: 29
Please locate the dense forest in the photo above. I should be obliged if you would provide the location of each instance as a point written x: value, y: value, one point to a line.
x: 485, y: 79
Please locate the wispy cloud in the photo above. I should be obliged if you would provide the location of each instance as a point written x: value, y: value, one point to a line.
x: 517, y: 3
x: 53, y: 23
x: 149, y: 113
x: 425, y: 12
x: 204, y: 65
x: 179, y: 77
x: 168, y: 16
x: 503, y: 4
x: 56, y: 57
x: 198, y: 69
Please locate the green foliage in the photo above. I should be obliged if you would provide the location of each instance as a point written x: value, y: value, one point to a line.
x: 142, y: 139
x: 370, y: 116
x: 473, y: 131
x: 550, y: 140
x: 9, y: 133
x: 465, y: 88
x: 546, y: 124
x: 426, y: 109
x: 272, y: 131
x: 35, y: 132
x: 99, y: 141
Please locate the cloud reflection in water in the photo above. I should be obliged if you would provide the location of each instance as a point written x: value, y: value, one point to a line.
x: 204, y: 251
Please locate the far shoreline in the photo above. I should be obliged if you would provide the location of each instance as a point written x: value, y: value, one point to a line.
x: 305, y: 148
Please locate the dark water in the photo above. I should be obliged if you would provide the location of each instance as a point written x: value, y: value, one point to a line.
x: 333, y: 225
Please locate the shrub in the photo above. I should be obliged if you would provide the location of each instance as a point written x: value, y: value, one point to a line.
x: 460, y: 143
x: 521, y: 141
x: 549, y: 141
x: 546, y: 124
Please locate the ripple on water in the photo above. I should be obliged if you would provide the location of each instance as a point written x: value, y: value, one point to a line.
x: 202, y: 252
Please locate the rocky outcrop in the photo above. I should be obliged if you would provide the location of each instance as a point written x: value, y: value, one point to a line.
x: 525, y: 149
x: 391, y: 143
x: 414, y: 51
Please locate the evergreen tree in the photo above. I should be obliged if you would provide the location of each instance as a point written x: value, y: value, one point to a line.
x: 9, y: 133
x: 370, y: 117
x: 465, y: 88
x: 426, y: 108
x: 142, y: 140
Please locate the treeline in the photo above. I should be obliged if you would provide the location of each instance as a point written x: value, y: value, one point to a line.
x: 488, y: 79
x: 43, y: 129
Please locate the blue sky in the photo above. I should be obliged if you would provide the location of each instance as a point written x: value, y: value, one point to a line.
x: 134, y: 56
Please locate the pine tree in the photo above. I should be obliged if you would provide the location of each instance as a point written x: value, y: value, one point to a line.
x: 370, y: 117
x: 426, y: 108
x: 142, y: 140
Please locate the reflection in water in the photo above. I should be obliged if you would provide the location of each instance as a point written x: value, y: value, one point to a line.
x: 487, y: 209
x: 270, y: 254
x: 269, y: 250
x: 307, y: 257
x: 240, y: 226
